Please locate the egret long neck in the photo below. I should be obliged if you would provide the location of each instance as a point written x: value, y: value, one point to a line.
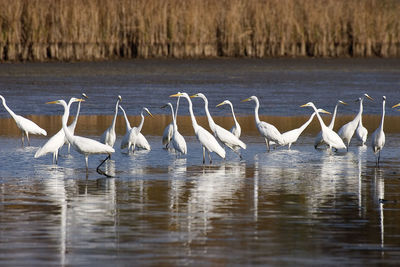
x: 211, y: 122
x: 358, y: 117
x: 177, y: 106
x: 7, y: 108
x: 361, y: 111
x: 321, y: 122
x: 332, y: 124
x: 75, y: 121
x: 173, y: 116
x: 383, y: 114
x: 307, y: 122
x: 194, y: 122
x: 141, y: 122
x: 256, y: 112
x: 67, y: 132
x: 115, y: 115
x: 127, y: 124
x: 233, y: 114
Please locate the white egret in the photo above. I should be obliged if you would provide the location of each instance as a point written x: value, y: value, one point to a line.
x: 268, y: 131
x: 226, y: 137
x: 361, y: 131
x: 141, y: 140
x: 318, y: 139
x: 54, y: 144
x: 291, y: 136
x: 26, y: 126
x: 135, y: 138
x: 378, y: 136
x: 169, y: 130
x: 236, y: 129
x: 108, y: 137
x: 178, y: 142
x: 83, y: 145
x: 331, y: 138
x: 72, y: 126
x: 125, y: 139
x: 206, y: 139
x: 346, y: 132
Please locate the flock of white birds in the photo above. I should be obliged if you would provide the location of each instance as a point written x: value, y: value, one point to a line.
x: 133, y: 137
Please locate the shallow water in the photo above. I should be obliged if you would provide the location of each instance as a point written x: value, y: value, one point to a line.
x: 302, y: 206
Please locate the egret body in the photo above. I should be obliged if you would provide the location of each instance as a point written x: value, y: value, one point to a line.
x: 206, y: 139
x: 26, y: 126
x: 268, y: 131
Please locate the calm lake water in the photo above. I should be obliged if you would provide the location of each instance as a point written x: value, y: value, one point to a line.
x: 286, y: 207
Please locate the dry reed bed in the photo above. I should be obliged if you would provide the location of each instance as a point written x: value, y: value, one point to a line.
x: 102, y: 29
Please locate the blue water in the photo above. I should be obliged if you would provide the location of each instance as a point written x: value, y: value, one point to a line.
x: 286, y: 207
x: 282, y: 85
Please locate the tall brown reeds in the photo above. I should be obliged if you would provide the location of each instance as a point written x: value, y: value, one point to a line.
x: 104, y: 29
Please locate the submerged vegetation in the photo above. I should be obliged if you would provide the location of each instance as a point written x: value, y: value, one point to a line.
x: 42, y: 30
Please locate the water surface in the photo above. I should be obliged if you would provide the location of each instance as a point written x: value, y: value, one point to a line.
x: 285, y: 207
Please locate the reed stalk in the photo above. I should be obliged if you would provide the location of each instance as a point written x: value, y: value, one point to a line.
x: 70, y: 30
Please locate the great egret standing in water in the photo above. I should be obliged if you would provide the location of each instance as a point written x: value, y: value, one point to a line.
x: 72, y: 126
x: 291, y: 136
x: 236, y: 129
x: 83, y: 145
x: 346, y: 132
x: 226, y: 137
x: 378, y: 136
x: 178, y: 142
x: 135, y: 139
x: 361, y: 131
x: 268, y: 131
x: 26, y: 126
x: 331, y: 138
x: 206, y: 139
x: 141, y: 141
x: 318, y: 139
x: 59, y: 139
x: 169, y: 130
x: 108, y: 137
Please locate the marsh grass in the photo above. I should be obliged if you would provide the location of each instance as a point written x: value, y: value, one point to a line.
x: 73, y: 30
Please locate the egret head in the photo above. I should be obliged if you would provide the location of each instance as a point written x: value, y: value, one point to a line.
x: 309, y: 104
x: 85, y: 96
x: 251, y: 98
x: 225, y: 102
x: 199, y: 95
x: 145, y: 109
x: 367, y: 96
x: 58, y: 102
x: 384, y: 98
x: 119, y: 98
x: 395, y: 106
x: 166, y: 105
x: 179, y: 94
x: 62, y: 102
x: 341, y: 102
x: 321, y: 110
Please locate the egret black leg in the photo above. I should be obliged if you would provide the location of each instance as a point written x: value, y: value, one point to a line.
x: 98, y: 167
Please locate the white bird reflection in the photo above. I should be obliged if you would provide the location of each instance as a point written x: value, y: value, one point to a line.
x: 209, y: 191
x: 55, y: 188
x: 177, y: 184
x: 362, y: 159
x: 379, y: 198
x: 110, y: 167
x: 320, y: 180
x: 338, y: 175
x: 84, y: 204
